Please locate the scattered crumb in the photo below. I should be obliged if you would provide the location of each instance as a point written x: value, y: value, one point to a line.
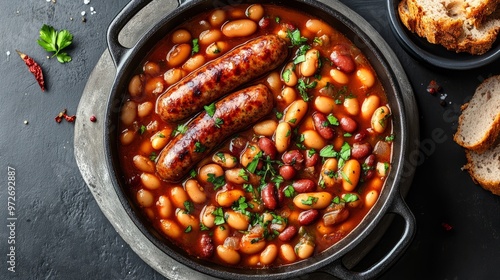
x: 83, y: 13
x: 26, y: 122
x: 86, y: 2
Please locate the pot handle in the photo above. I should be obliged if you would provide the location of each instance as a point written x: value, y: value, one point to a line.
x: 116, y: 50
x: 400, y: 208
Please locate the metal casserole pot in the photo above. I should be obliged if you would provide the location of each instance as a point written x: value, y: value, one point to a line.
x: 390, y: 199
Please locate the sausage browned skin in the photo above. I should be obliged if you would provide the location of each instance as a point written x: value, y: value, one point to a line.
x: 221, y: 76
x: 232, y: 114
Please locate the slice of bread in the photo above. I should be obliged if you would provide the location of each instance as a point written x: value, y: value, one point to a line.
x: 484, y: 168
x: 479, y: 123
x: 458, y: 25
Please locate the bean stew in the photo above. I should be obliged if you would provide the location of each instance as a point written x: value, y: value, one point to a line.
x: 266, y: 160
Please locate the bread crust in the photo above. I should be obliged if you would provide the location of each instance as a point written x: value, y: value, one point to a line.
x: 490, y: 185
x: 454, y: 31
x: 489, y: 137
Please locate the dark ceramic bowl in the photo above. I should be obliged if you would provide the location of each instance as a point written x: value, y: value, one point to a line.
x: 436, y: 55
x: 390, y: 200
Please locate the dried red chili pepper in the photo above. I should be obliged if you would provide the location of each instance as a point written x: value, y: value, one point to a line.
x: 63, y: 115
x: 34, y: 68
x: 433, y: 87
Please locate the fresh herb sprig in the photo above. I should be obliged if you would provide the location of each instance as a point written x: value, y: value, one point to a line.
x: 55, y: 41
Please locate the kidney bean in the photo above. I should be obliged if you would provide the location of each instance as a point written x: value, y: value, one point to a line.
x: 294, y: 158
x: 267, y: 146
x: 288, y: 233
x: 342, y: 59
x: 287, y: 172
x: 308, y: 217
x: 311, y: 160
x: 206, y: 246
x: 360, y: 151
x: 281, y: 195
x: 369, y: 174
x: 237, y: 145
x: 348, y: 124
x: 264, y: 22
x: 269, y: 196
x: 360, y: 136
x: 321, y: 125
x: 371, y: 160
x: 304, y: 185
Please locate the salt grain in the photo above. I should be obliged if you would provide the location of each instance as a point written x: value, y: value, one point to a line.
x: 83, y: 13
x: 86, y: 2
x: 7, y: 53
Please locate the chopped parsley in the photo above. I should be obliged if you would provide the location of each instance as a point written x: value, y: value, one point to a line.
x: 328, y: 151
x: 289, y: 191
x: 333, y: 120
x: 302, y: 86
x: 199, y: 148
x: 218, y: 122
x: 219, y: 216
x: 142, y: 129
x: 218, y: 182
x: 180, y: 129
x: 296, y: 38
x: 210, y: 109
x: 309, y: 201
x: 196, y: 46
x: 286, y: 75
x: 252, y: 166
x: 153, y: 156
x: 188, y: 229
x: 389, y: 138
x: 221, y: 156
x: 243, y: 174
x: 189, y: 207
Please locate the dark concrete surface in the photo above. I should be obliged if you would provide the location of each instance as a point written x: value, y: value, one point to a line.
x: 60, y: 232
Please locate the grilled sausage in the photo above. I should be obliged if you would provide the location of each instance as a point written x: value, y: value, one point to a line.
x: 221, y: 76
x: 232, y: 114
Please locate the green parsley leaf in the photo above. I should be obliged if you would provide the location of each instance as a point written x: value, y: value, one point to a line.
x: 345, y: 177
x: 218, y: 122
x: 299, y: 59
x: 153, y: 156
x: 252, y: 166
x: 303, y: 87
x: 345, y: 151
x: 350, y: 197
x: 277, y: 19
x: 161, y: 135
x: 311, y: 152
x: 203, y: 227
x: 196, y: 46
x: 296, y: 38
x: 333, y: 120
x: 192, y: 173
x: 286, y: 75
x: 309, y: 201
x: 389, y: 138
x: 210, y: 109
x: 248, y: 188
x: 142, y: 129
x: 243, y: 174
x: 289, y: 191
x: 303, y: 49
x: 189, y: 207
x: 347, y: 134
x: 188, y: 229
x: 221, y: 156
x: 199, y: 148
x: 53, y: 41
x: 219, y: 216
x: 279, y: 115
x: 336, y: 200
x: 218, y: 182
x: 180, y: 129
x: 293, y: 121
x: 277, y: 180
x: 328, y: 151
x: 318, y: 41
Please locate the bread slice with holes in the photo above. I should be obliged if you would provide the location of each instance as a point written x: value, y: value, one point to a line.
x: 484, y: 168
x: 458, y: 25
x: 479, y: 122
